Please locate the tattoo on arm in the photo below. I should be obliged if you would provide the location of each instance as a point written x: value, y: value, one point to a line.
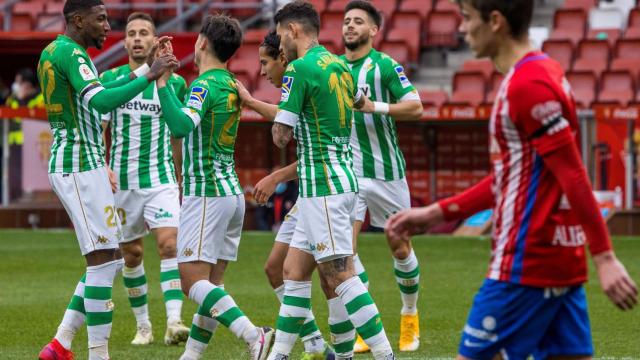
x: 282, y: 134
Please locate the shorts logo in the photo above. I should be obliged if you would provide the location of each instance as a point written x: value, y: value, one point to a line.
x: 489, y: 323
x: 404, y: 80
x: 197, y: 96
x: 86, y: 72
x: 321, y: 247
x: 102, y: 239
x: 287, y: 83
x: 163, y: 214
x: 187, y: 252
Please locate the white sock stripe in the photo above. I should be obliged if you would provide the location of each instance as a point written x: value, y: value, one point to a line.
x: 97, y: 335
x: 408, y: 282
x: 363, y: 315
x: 379, y: 345
x: 199, y: 291
x: 170, y: 285
x: 309, y: 317
x: 205, y: 322
x: 300, y: 289
x: 225, y: 303
x: 133, y: 272
x: 293, y: 311
x: 350, y: 289
x: 101, y: 275
x: 279, y: 292
x: 142, y: 289
x: 344, y: 337
x: 168, y: 264
x: 95, y: 306
x: 238, y: 325
x: 408, y: 264
x: 79, y: 291
x: 337, y: 311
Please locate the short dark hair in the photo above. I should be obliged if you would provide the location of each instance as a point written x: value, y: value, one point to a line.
x: 301, y: 12
x: 72, y: 6
x: 367, y: 7
x: 224, y: 35
x: 271, y: 43
x: 139, y: 15
x: 28, y: 75
x: 517, y: 12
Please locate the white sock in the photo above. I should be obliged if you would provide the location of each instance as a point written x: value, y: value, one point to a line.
x: 171, y: 289
x: 73, y: 317
x: 343, y: 334
x: 407, y: 273
x: 99, y: 307
x: 135, y: 283
x: 279, y: 292
x: 360, y: 271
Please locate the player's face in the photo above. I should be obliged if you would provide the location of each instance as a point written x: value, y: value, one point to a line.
x: 357, y: 29
x: 477, y: 32
x: 287, y: 43
x: 272, y: 69
x: 139, y: 39
x: 96, y: 26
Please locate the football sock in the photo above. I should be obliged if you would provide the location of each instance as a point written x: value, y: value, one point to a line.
x: 360, y: 271
x: 171, y: 289
x: 294, y: 311
x: 135, y: 283
x: 99, y: 307
x: 279, y: 292
x: 343, y: 334
x: 73, y: 317
x: 408, y: 277
x: 203, y: 327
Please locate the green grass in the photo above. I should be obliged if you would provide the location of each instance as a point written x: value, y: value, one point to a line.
x: 39, y: 270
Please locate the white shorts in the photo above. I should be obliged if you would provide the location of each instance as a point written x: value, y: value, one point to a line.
x: 210, y: 228
x: 288, y: 226
x: 88, y: 199
x: 325, y: 226
x: 156, y: 207
x: 382, y: 198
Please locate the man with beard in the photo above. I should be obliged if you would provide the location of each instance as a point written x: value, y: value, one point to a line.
x: 377, y: 159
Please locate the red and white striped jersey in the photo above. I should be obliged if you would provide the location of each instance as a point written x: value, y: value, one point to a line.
x: 536, y: 239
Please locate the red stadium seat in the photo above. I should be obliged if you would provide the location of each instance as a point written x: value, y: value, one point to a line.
x: 625, y: 64
x: 31, y: 8
x: 337, y: 5
x: 320, y: 5
x: 611, y: 35
x: 332, y: 20
x: 569, y: 25
x: 616, y: 87
x: 447, y: 5
x: 433, y: 97
x: 485, y: 66
x: 54, y: 8
x: 406, y: 20
x: 420, y: 7
x: 441, y: 29
x: 248, y: 51
x: 265, y: 91
x: 254, y: 36
x: 409, y: 38
x: 496, y: 81
x: 50, y: 22
x: 627, y: 49
x: 399, y: 51
x: 245, y: 79
x: 21, y: 22
x: 632, y: 33
x: 117, y: 13
x: 468, y: 88
x: 592, y: 55
x: 634, y: 18
x: 561, y: 51
x: 386, y: 7
x: 584, y: 5
x: 248, y: 67
x: 584, y: 85
x: 331, y: 38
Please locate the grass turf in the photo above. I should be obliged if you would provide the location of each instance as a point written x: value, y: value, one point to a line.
x: 39, y: 271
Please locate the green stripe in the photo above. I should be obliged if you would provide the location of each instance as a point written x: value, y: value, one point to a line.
x: 83, y: 279
x: 163, y: 141
x: 67, y: 159
x: 384, y: 147
x: 134, y: 282
x: 341, y: 328
x: 408, y: 289
x: 359, y: 302
x: 308, y: 328
x: 210, y: 300
x: 297, y: 301
x: 229, y: 316
x: 371, y: 327
x: 99, y: 318
x: 169, y: 275
x: 197, y: 156
x: 144, y: 177
x: 97, y: 292
x: 77, y: 304
x: 199, y: 334
x: 173, y: 294
x: 290, y: 324
x: 138, y: 301
x: 408, y: 275
x: 364, y: 277
x: 398, y: 152
x: 345, y: 347
x: 124, y: 153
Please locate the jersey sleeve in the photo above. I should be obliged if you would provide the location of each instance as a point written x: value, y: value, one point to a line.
x: 537, y: 111
x: 106, y: 77
x: 81, y: 73
x: 293, y: 91
x: 397, y: 82
x: 179, y: 86
x: 196, y: 101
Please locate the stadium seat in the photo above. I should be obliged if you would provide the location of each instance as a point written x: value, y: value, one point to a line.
x: 496, y: 81
x: 627, y: 49
x: 119, y: 13
x: 386, y: 7
x: 569, y: 25
x: 54, y: 8
x: 633, y: 20
x: 584, y: 5
x: 320, y: 5
x: 433, y: 97
x: 249, y: 68
x: 245, y: 79
x: 264, y: 91
x: 420, y: 7
x: 616, y: 87
x: 485, y: 66
x: 332, y: 20
x: 611, y: 35
x: 632, y: 33
x: 254, y: 36
x: 625, y: 64
x: 584, y: 85
x: 31, y: 8
x: 447, y: 5
x: 21, y: 22
x: 468, y: 88
x: 561, y: 51
x: 331, y: 37
x: 441, y: 29
x: 242, y: 13
x: 399, y: 51
x: 403, y: 28
x: 50, y: 22
x: 337, y: 5
x: 592, y: 55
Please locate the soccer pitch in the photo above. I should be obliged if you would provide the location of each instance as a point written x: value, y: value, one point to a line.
x: 39, y: 270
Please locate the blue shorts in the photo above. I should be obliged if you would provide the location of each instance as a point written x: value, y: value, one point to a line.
x: 518, y: 321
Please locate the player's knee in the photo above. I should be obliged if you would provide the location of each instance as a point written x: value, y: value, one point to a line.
x: 401, y: 252
x: 132, y: 254
x: 273, y: 272
x: 167, y: 250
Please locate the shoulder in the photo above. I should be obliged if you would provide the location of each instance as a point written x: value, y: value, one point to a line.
x: 535, y: 78
x: 178, y: 80
x: 111, y: 74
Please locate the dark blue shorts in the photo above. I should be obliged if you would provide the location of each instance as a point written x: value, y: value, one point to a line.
x: 518, y: 321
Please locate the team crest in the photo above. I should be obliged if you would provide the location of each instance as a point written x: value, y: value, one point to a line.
x: 86, y: 73
x: 404, y: 80
x: 197, y: 96
x: 287, y: 83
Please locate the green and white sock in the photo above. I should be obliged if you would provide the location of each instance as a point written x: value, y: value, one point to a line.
x: 135, y: 283
x: 293, y: 314
x: 310, y: 335
x: 408, y: 277
x: 364, y: 316
x: 203, y: 327
x: 73, y: 317
x: 343, y: 334
x: 171, y: 289
x: 360, y: 271
x: 99, y: 307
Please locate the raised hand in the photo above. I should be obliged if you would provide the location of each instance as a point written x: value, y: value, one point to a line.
x: 401, y: 226
x: 159, y: 48
x: 164, y: 63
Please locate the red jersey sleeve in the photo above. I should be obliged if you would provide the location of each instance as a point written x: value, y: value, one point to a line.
x: 477, y: 198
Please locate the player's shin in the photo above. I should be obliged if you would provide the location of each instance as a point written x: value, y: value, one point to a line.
x: 73, y: 317
x: 407, y: 273
x: 293, y: 313
x: 364, y: 316
x: 99, y: 307
x: 343, y: 334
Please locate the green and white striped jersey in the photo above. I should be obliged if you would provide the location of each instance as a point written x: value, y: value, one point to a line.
x: 69, y: 80
x: 208, y: 165
x: 141, y: 154
x: 317, y: 101
x: 374, y: 139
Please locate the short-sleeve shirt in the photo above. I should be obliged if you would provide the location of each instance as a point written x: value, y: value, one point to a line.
x: 374, y: 138
x: 208, y: 164
x: 141, y: 154
x: 537, y: 241
x: 317, y: 101
x: 69, y: 80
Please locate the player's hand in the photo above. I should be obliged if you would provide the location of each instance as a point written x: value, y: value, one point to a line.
x: 162, y: 64
x: 160, y: 45
x: 367, y: 106
x: 401, y: 226
x: 112, y: 180
x: 243, y: 93
x: 264, y: 189
x: 615, y: 281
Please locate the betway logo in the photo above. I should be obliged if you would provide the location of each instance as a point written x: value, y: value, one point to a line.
x: 143, y: 106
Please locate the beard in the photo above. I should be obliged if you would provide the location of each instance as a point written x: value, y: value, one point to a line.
x: 353, y: 45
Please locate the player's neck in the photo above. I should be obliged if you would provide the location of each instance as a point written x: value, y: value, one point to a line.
x: 133, y: 64
x: 75, y: 36
x: 210, y: 63
x: 510, y: 52
x: 305, y: 45
x: 359, y: 53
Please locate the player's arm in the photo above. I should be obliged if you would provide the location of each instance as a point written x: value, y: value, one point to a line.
x: 267, y: 185
x: 268, y: 111
x: 291, y: 105
x: 180, y: 119
x: 180, y: 88
x: 541, y: 118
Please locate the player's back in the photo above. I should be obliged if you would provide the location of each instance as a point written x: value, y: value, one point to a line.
x: 68, y: 79
x: 208, y: 151
x: 537, y: 240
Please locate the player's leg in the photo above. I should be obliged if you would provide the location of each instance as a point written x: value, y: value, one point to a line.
x: 210, y: 229
x: 72, y: 321
x: 360, y: 345
x: 273, y: 267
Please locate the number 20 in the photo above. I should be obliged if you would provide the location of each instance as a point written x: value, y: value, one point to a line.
x: 111, y: 212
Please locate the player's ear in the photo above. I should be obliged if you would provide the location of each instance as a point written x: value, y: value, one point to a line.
x: 293, y: 29
x: 497, y: 21
x: 373, y: 30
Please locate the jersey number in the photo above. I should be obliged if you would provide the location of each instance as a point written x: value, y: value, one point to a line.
x: 226, y: 138
x: 46, y: 72
x: 340, y: 86
x: 111, y: 212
